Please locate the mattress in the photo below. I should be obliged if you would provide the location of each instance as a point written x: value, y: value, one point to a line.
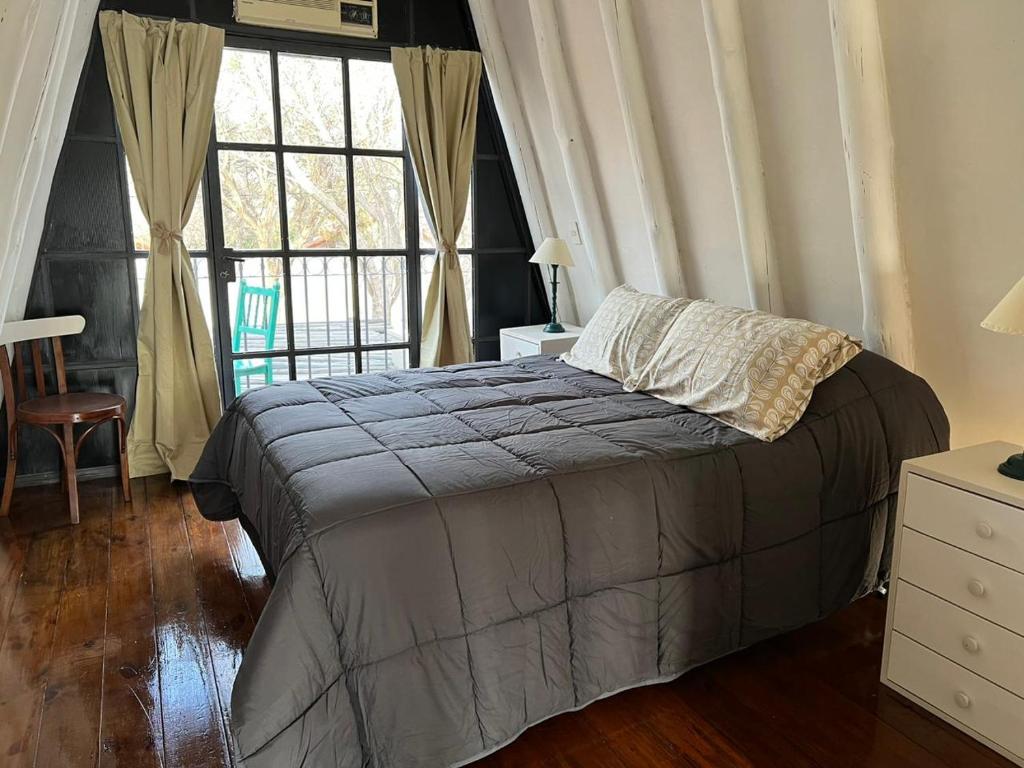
x: 461, y: 552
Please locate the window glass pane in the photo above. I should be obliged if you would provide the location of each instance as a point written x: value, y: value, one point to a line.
x: 376, y: 360
x: 256, y: 304
x: 254, y: 372
x: 383, y: 299
x: 244, y: 108
x: 318, y: 366
x: 322, y: 302
x: 248, y: 192
x: 312, y: 100
x: 194, y: 233
x: 427, y: 261
x: 201, y: 270
x: 376, y: 110
x: 465, y: 240
x: 380, y: 202
x: 317, y: 191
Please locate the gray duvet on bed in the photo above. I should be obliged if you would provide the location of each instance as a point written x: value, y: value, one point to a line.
x: 462, y: 552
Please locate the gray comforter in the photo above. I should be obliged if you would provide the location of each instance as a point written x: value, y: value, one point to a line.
x: 462, y: 552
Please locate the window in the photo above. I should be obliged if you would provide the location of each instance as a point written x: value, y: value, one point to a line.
x: 317, y: 261
x: 312, y: 186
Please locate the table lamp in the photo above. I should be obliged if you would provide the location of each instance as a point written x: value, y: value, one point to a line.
x: 553, y: 251
x: 1008, y: 317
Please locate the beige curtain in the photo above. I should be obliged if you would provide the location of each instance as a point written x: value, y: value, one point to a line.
x: 163, y: 76
x: 439, y: 92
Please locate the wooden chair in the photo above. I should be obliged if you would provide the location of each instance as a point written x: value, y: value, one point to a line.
x: 55, y: 414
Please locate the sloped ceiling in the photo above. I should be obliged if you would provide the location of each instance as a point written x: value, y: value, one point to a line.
x: 957, y: 115
x: 43, y: 44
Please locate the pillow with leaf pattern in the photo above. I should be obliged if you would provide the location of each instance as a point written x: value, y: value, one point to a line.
x: 751, y: 370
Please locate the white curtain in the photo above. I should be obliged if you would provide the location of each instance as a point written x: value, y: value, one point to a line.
x: 43, y: 44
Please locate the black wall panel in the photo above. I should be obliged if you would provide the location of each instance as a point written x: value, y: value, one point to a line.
x: 86, y: 267
x: 95, y: 115
x: 500, y: 226
x: 85, y: 204
x: 504, y: 292
x: 99, y: 289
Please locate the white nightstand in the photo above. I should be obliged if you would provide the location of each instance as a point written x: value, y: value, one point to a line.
x: 954, y: 633
x: 531, y: 340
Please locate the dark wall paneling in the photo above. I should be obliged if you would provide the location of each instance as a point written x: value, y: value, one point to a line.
x: 85, y: 204
x: 179, y: 9
x: 488, y: 350
x: 503, y: 292
x: 498, y: 228
x: 100, y: 290
x: 95, y: 108
x: 442, y: 24
x: 485, y: 144
x: 86, y: 265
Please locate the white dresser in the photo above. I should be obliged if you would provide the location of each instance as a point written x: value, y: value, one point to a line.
x: 531, y: 340
x: 954, y: 635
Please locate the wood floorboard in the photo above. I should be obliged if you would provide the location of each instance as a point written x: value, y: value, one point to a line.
x: 73, y: 694
x: 27, y: 646
x: 193, y: 725
x: 12, y: 563
x: 120, y: 639
x: 131, y: 731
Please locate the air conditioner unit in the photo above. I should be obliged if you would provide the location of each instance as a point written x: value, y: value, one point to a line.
x: 355, y: 18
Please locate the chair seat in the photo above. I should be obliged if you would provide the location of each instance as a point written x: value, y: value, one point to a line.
x: 71, y: 408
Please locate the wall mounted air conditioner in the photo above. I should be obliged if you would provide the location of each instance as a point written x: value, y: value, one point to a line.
x: 355, y: 18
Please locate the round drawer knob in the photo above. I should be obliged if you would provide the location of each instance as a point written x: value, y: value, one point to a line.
x: 971, y: 644
x: 962, y: 699
x: 984, y: 530
x: 975, y: 587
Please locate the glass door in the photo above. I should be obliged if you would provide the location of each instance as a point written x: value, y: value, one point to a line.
x: 314, y: 246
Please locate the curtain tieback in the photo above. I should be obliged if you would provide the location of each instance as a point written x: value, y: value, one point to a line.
x: 163, y: 233
x: 449, y: 249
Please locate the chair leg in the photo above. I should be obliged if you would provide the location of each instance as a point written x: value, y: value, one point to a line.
x: 12, y: 466
x: 122, y: 447
x: 70, y: 477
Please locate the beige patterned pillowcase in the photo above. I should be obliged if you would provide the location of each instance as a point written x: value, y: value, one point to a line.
x: 751, y: 370
x: 624, y: 332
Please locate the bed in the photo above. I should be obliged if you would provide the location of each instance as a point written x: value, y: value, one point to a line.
x: 461, y: 552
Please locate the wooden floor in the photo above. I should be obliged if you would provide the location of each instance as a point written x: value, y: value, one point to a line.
x: 119, y: 641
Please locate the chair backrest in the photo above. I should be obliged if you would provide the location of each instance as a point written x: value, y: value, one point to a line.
x: 256, y: 314
x: 34, y: 332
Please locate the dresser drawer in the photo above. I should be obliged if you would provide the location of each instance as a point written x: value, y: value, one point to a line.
x: 966, y: 520
x: 980, y: 586
x: 513, y: 347
x: 981, y: 646
x: 985, y: 708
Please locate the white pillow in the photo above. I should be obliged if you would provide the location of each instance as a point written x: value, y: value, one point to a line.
x: 624, y: 332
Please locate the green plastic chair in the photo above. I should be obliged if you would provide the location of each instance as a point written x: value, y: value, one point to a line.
x: 255, y: 315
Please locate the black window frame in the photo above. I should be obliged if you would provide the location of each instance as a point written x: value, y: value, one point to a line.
x: 221, y: 257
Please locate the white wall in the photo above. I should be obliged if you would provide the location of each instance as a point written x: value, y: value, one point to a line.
x: 43, y: 44
x: 955, y: 71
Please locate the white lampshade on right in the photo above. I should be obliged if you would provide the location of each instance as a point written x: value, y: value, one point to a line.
x: 1008, y: 315
x: 555, y: 251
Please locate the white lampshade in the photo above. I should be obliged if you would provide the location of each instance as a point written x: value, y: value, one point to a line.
x: 553, y: 250
x: 1008, y: 314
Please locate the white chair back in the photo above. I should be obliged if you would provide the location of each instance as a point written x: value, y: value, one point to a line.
x: 43, y: 328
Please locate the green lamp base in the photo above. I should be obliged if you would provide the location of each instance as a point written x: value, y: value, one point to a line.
x: 554, y: 328
x: 1013, y: 467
